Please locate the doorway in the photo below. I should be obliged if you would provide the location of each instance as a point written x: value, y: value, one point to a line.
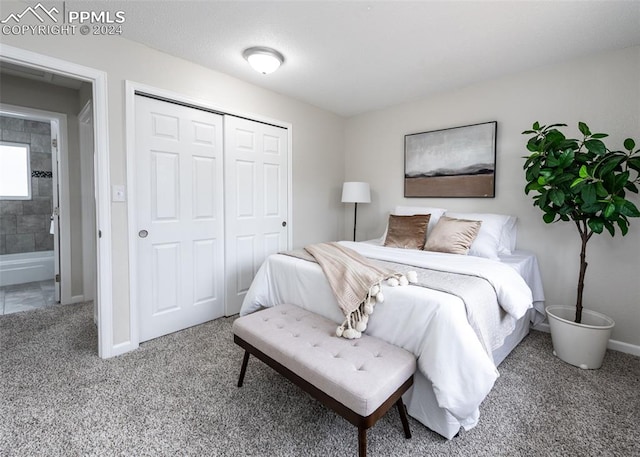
x: 29, y: 206
x: 37, y: 64
x: 55, y: 159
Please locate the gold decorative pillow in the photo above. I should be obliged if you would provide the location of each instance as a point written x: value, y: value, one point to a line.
x: 407, y: 232
x: 452, y: 235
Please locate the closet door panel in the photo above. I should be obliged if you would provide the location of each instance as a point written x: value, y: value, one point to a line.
x: 256, y: 202
x: 179, y: 216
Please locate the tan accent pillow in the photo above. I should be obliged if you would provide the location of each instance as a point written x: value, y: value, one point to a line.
x: 453, y: 235
x: 407, y: 232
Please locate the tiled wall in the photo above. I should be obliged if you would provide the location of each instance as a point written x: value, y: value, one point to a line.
x: 24, y: 224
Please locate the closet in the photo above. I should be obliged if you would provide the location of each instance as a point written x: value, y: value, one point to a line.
x: 211, y: 203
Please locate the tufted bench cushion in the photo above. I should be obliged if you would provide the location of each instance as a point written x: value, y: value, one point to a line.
x: 366, y: 375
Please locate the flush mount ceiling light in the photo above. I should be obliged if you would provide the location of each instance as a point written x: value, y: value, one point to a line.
x: 263, y: 60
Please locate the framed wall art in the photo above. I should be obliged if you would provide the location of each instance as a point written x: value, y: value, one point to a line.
x: 454, y: 162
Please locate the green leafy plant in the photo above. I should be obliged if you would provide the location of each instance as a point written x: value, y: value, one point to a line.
x: 582, y: 181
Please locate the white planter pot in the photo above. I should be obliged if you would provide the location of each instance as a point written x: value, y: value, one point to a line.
x: 584, y: 344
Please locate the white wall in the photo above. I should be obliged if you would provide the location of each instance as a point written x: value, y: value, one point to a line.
x: 602, y: 90
x: 317, y: 136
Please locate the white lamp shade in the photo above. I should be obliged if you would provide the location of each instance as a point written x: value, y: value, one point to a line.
x: 356, y: 192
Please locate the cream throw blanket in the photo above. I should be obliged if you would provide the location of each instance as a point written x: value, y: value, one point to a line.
x: 355, y: 282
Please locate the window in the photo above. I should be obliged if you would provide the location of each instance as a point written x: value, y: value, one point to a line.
x: 15, y: 171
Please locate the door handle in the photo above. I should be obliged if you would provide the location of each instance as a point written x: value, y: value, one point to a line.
x: 143, y: 233
x: 284, y: 223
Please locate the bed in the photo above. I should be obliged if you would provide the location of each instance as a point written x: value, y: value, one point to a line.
x: 456, y: 370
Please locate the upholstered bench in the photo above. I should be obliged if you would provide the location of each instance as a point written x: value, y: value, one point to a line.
x: 359, y: 379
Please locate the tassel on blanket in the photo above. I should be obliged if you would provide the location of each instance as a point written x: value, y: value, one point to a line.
x: 356, y: 322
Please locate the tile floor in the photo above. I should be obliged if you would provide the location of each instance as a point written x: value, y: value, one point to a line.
x: 25, y: 297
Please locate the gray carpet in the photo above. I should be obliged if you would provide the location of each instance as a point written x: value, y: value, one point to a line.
x: 177, y: 395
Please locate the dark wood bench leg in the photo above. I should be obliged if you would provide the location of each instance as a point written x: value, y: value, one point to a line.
x: 243, y: 370
x: 403, y: 418
x: 362, y: 442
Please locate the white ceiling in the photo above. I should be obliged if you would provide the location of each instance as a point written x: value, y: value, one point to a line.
x: 350, y: 57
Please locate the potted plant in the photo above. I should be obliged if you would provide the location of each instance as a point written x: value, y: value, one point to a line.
x: 584, y: 182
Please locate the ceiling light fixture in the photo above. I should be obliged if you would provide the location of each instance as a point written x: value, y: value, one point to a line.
x: 263, y: 60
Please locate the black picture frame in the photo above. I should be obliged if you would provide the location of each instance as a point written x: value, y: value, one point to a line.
x: 452, y: 162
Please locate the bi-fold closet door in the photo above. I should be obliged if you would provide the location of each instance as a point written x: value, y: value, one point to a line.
x: 211, y: 204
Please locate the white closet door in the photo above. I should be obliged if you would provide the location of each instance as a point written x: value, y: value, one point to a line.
x: 256, y: 161
x: 179, y: 204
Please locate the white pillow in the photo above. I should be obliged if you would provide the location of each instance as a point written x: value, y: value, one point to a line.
x: 496, y: 235
x: 436, y: 213
x: 509, y: 236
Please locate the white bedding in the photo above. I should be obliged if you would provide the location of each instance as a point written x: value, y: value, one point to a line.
x: 431, y: 324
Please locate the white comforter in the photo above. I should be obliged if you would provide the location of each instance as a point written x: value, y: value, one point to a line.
x: 431, y: 324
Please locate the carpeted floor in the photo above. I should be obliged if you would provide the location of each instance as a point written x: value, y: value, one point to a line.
x: 177, y: 395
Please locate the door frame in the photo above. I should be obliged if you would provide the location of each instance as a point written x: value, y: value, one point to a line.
x: 60, y: 172
x: 87, y: 178
x: 98, y: 81
x: 131, y: 88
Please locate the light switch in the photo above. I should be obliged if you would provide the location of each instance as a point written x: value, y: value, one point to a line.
x: 118, y: 193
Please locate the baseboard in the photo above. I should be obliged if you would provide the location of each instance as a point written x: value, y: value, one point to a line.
x: 621, y: 346
x: 614, y: 345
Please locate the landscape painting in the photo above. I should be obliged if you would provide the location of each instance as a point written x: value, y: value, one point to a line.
x: 455, y: 162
